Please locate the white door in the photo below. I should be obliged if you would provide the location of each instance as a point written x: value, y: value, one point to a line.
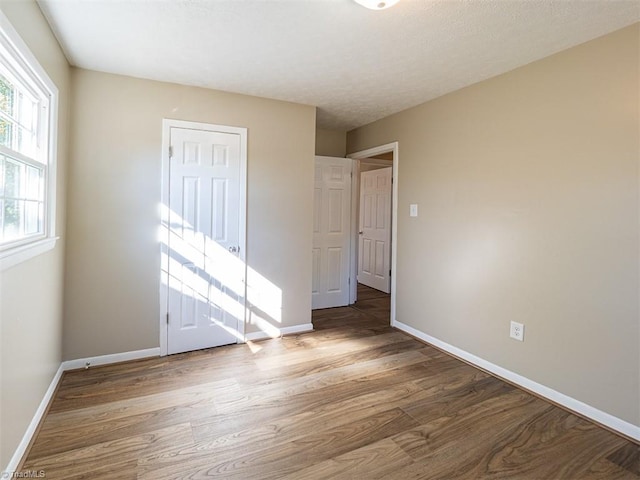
x: 205, y: 300
x: 374, y: 246
x: 331, y: 224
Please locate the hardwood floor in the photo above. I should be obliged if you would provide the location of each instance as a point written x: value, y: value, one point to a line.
x: 355, y: 399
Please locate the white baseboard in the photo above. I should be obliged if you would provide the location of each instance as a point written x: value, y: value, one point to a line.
x: 109, y: 359
x: 35, y: 421
x: 64, y: 366
x: 614, y: 423
x: 302, y: 328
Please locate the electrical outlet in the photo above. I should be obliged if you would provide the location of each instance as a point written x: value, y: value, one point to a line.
x: 517, y: 331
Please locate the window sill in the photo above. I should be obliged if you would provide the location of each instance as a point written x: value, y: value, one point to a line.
x: 17, y: 255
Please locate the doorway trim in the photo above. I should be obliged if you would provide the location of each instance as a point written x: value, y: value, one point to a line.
x: 163, y: 235
x: 356, y: 157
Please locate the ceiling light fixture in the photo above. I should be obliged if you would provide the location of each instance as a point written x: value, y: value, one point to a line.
x: 377, y: 4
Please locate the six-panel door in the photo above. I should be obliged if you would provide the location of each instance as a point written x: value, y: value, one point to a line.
x: 331, y: 227
x: 374, y: 246
x: 206, y: 277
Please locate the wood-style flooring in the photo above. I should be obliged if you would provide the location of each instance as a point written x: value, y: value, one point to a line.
x: 355, y: 399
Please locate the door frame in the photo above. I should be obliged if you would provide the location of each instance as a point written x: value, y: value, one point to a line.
x: 167, y: 124
x: 356, y: 157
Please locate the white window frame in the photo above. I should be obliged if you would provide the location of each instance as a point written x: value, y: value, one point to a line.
x: 29, y: 248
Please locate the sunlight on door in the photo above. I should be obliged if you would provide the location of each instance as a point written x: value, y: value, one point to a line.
x: 207, y: 290
x: 207, y: 287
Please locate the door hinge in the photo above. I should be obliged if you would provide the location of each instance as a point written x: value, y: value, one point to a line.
x: 170, y: 151
x: 389, y: 272
x: 167, y: 318
x: 349, y: 281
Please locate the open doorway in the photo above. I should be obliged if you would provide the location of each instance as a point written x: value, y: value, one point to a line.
x: 368, y: 162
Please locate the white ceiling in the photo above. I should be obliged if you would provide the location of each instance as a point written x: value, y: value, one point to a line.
x: 355, y: 65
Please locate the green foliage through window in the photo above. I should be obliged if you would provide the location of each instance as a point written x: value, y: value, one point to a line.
x: 26, y: 95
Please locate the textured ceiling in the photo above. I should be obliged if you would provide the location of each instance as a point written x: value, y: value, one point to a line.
x: 355, y: 65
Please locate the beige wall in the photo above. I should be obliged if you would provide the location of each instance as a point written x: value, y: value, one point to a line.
x: 112, y: 282
x: 527, y: 186
x: 31, y: 292
x: 331, y: 143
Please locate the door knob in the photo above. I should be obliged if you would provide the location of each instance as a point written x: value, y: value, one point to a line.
x: 233, y: 249
x: 360, y: 232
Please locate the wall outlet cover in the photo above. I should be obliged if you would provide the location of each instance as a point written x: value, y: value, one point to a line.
x: 517, y: 331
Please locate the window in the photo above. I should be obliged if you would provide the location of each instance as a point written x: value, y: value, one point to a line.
x: 28, y: 101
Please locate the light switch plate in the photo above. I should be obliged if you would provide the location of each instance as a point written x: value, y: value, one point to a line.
x: 413, y: 210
